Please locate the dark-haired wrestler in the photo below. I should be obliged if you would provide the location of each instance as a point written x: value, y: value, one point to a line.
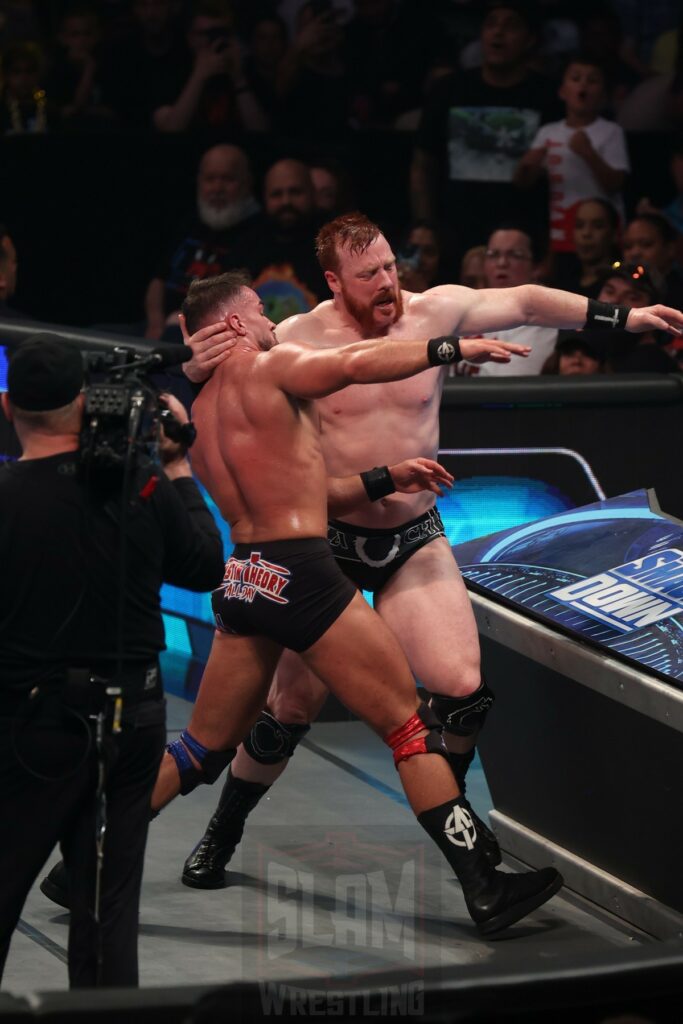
x: 258, y: 452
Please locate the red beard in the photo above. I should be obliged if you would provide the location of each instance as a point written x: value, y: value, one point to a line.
x: 364, y: 315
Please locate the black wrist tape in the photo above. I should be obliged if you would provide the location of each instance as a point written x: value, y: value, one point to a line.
x: 444, y: 350
x: 603, y: 316
x: 377, y: 482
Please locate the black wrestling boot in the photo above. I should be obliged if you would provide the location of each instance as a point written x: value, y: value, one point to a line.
x: 205, y: 867
x: 494, y: 899
x: 55, y: 885
x: 489, y: 844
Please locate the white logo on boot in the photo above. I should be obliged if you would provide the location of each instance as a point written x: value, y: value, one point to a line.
x: 459, y: 828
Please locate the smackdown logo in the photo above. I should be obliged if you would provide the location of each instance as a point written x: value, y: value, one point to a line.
x: 632, y: 595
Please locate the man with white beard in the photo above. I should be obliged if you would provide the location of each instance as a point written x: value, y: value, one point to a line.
x: 212, y: 241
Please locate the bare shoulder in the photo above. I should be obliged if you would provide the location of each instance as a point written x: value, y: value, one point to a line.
x: 448, y: 293
x: 439, y: 309
x: 306, y: 327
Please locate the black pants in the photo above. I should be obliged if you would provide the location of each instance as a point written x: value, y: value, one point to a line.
x: 37, y: 813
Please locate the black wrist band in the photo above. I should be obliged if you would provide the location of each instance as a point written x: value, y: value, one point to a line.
x: 377, y: 482
x: 603, y: 316
x: 444, y: 350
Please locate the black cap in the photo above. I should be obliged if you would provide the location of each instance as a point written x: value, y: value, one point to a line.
x: 641, y: 277
x: 44, y: 373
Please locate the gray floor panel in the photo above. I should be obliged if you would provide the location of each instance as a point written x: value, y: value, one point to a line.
x: 334, y: 878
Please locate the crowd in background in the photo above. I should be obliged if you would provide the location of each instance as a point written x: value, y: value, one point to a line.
x: 519, y: 115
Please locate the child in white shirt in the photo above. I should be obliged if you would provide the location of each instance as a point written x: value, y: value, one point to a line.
x: 584, y: 155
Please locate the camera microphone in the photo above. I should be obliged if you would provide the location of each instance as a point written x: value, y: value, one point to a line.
x: 169, y: 355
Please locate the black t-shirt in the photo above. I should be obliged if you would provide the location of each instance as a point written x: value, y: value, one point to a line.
x: 202, y: 252
x: 59, y: 569
x: 135, y: 83
x: 285, y: 270
x: 478, y: 133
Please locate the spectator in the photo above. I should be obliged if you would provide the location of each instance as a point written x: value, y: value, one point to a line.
x: 627, y: 284
x: 420, y: 260
x: 472, y: 267
x: 280, y: 255
x: 314, y: 83
x: 674, y: 211
x: 601, y: 39
x: 650, y: 239
x: 71, y: 82
x: 24, y: 107
x: 19, y: 22
x: 333, y: 191
x: 8, y: 276
x: 149, y: 63
x: 226, y: 214
x: 584, y: 155
x: 574, y: 355
x: 215, y: 97
x: 268, y: 43
x: 476, y: 124
x: 596, y: 225
x: 510, y: 259
x: 389, y: 48
x: 656, y: 105
x: 642, y: 25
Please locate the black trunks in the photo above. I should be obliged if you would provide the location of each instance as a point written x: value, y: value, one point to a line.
x: 289, y: 590
x: 371, y: 557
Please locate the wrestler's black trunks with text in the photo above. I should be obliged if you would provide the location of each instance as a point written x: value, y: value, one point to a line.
x: 289, y: 590
x: 371, y: 557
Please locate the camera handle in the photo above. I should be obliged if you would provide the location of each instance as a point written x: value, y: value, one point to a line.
x: 115, y: 704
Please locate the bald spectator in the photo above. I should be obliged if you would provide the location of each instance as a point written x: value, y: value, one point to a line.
x: 510, y: 260
x: 227, y: 214
x: 281, y: 258
x: 216, y: 96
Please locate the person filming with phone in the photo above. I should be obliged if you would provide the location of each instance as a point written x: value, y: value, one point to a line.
x: 217, y: 96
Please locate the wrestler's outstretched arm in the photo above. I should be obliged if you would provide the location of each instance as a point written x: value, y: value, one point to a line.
x: 346, y: 493
x: 307, y: 372
x: 473, y: 311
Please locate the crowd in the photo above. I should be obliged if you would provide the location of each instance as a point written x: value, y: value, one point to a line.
x: 508, y: 103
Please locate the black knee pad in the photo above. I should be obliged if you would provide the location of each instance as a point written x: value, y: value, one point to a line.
x: 271, y: 741
x: 463, y: 716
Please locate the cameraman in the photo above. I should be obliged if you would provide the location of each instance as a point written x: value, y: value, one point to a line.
x: 60, y: 547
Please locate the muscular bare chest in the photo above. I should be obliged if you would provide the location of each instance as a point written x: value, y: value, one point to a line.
x: 411, y: 398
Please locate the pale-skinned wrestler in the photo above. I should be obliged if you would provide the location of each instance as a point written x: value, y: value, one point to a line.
x: 259, y: 454
x: 393, y: 544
